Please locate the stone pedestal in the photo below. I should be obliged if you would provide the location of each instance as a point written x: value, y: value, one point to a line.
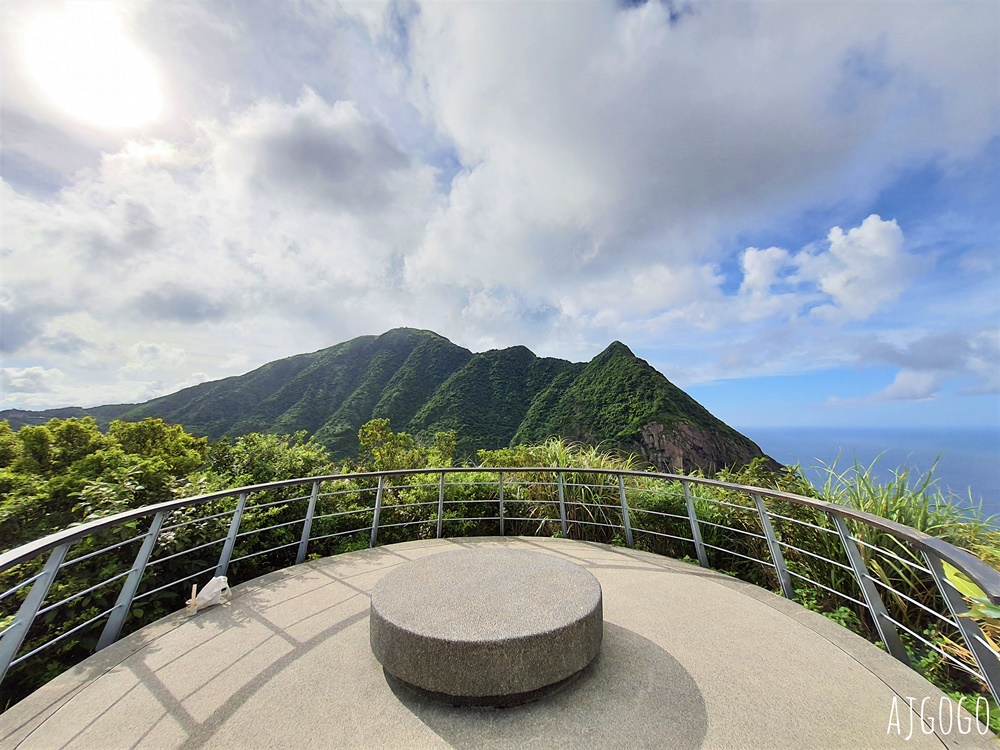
x: 486, y: 626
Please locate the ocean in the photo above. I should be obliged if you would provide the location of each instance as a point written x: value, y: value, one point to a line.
x: 968, y: 459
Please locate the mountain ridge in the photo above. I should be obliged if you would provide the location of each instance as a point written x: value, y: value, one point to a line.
x: 424, y: 383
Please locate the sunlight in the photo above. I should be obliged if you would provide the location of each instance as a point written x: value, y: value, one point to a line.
x: 83, y: 60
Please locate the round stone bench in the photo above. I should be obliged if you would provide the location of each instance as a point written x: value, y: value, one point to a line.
x: 487, y: 626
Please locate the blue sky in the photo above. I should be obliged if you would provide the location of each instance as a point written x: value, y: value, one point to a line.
x: 788, y: 208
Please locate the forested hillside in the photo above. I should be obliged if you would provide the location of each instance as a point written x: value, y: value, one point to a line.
x: 425, y: 384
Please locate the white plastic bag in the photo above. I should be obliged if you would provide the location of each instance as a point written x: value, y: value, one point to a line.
x: 212, y: 593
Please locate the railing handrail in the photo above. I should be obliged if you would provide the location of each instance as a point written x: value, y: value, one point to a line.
x: 935, y: 552
x: 984, y: 576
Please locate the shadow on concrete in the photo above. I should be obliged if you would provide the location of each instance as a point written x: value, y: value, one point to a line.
x: 633, y: 695
x: 249, y: 606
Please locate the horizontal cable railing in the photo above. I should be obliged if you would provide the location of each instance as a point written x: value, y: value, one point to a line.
x: 81, y: 588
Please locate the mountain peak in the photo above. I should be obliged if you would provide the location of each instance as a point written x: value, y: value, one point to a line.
x: 404, y: 331
x: 615, y: 349
x: 424, y: 384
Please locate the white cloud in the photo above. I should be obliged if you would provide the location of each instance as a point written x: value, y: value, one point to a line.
x: 372, y: 13
x: 984, y: 363
x: 930, y: 362
x: 195, y: 378
x: 31, y: 380
x: 624, y: 126
x: 317, y: 155
x: 761, y: 269
x: 909, y: 385
x: 144, y: 357
x: 980, y: 262
x: 857, y: 274
x: 863, y: 271
x: 645, y: 292
x: 932, y: 351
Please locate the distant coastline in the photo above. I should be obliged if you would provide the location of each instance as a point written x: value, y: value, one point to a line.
x: 967, y: 457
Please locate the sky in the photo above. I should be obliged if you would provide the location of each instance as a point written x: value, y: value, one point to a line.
x: 791, y: 209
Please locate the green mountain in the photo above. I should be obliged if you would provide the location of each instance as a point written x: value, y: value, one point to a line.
x: 423, y: 383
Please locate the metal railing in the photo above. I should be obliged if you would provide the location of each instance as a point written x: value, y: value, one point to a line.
x: 149, y: 555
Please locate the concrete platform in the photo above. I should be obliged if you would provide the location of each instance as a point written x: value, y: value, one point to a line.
x: 490, y: 626
x: 690, y: 658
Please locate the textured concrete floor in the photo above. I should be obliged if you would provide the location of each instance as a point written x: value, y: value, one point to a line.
x: 690, y: 658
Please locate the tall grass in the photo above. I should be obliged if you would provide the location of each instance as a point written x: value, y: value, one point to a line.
x: 915, y: 500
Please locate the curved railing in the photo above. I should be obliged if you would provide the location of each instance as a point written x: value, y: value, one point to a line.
x: 73, y: 592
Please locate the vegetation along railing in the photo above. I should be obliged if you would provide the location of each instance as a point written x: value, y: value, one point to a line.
x: 78, y: 590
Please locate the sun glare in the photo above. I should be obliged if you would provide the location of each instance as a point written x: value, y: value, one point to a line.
x: 85, y: 63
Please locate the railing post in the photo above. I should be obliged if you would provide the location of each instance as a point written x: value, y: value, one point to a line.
x: 307, y: 525
x: 772, y: 544
x: 378, y: 510
x: 886, y: 630
x: 986, y: 657
x: 500, y: 483
x: 12, y: 638
x: 562, y: 505
x: 440, y: 528
x: 626, y: 523
x: 113, y: 627
x: 234, y: 526
x: 699, y: 545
